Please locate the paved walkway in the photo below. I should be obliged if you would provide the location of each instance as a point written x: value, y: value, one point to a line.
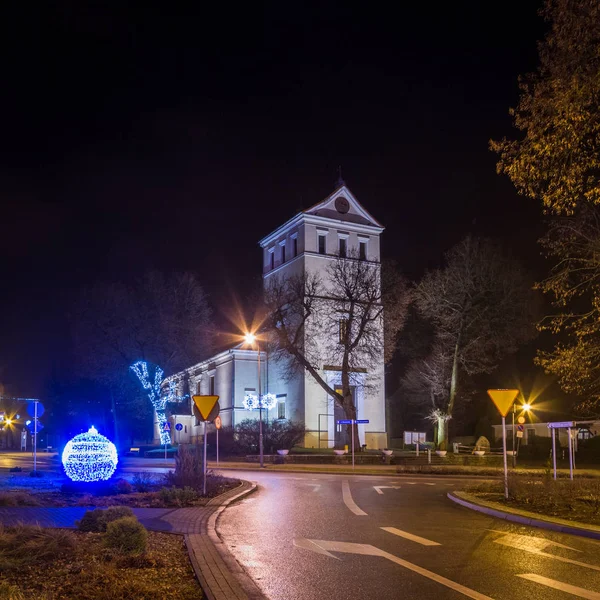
x: 216, y: 569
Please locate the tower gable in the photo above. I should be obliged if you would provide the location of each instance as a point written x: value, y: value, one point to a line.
x: 342, y: 205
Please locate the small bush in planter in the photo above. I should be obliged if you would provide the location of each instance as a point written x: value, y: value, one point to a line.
x: 127, y: 535
x: 98, y: 519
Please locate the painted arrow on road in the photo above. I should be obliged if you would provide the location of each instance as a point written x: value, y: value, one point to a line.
x: 316, y: 486
x: 536, y: 545
x: 378, y: 488
x: 326, y: 547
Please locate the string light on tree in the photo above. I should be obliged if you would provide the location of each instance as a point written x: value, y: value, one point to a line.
x: 152, y: 385
x: 90, y: 457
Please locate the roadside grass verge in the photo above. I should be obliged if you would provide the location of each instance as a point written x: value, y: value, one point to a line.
x: 55, y: 563
x: 577, y: 500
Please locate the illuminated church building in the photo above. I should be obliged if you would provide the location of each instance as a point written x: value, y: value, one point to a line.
x: 307, y: 243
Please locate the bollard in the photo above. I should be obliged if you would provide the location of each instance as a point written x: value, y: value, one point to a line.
x: 428, y: 456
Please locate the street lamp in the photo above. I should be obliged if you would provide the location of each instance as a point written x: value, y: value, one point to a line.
x: 251, y: 339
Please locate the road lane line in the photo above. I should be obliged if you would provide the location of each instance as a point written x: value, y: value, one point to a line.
x: 367, y: 549
x: 410, y: 536
x: 563, y: 587
x: 348, y: 500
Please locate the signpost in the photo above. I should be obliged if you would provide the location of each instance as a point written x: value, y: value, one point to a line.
x: 166, y: 427
x: 218, y: 424
x: 35, y: 409
x: 352, y: 422
x: 503, y: 399
x: 206, y: 408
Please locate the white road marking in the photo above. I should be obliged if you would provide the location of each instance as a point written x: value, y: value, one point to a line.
x: 348, y: 500
x: 563, y: 587
x: 428, y: 483
x: 536, y: 545
x: 312, y: 546
x: 378, y: 488
x: 411, y: 483
x: 315, y: 486
x: 324, y: 546
x: 410, y: 536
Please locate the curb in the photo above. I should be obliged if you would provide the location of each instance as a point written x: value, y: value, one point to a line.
x: 230, y: 581
x: 524, y: 520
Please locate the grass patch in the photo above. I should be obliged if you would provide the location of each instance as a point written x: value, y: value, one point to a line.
x: 577, y: 500
x: 88, y: 570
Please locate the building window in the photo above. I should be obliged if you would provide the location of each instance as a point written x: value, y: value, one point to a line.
x: 343, y: 247
x: 198, y: 388
x: 185, y: 429
x: 281, y: 398
x: 362, y: 250
x: 343, y: 330
x: 294, y: 246
x: 282, y: 252
x: 271, y: 258
x: 211, y: 386
x: 322, y: 238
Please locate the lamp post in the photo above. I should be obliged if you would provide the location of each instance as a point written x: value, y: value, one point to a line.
x: 251, y: 339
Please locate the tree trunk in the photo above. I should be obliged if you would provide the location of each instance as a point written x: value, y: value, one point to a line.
x: 453, y: 383
x: 441, y: 429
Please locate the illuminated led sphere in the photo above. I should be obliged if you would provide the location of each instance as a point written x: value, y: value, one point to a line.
x: 90, y: 457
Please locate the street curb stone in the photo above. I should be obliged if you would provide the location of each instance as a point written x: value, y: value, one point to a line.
x: 219, y: 574
x: 524, y: 519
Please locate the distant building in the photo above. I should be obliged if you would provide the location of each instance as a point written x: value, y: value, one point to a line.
x: 541, y: 430
x: 307, y: 243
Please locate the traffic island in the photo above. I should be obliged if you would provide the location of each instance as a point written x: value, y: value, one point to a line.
x: 501, y: 510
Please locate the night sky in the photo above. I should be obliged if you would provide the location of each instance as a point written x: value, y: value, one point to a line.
x: 135, y: 138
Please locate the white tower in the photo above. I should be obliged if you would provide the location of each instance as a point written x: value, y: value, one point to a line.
x: 308, y: 243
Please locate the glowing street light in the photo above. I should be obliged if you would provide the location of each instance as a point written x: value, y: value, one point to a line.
x: 251, y: 339
x: 526, y: 407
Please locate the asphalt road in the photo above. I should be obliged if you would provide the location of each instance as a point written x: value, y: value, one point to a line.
x: 311, y: 536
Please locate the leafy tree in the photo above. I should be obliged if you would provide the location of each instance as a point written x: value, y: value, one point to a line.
x: 557, y: 161
x: 337, y: 320
x: 481, y: 305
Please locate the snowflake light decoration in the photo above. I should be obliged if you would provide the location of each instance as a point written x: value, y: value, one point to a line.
x: 152, y: 385
x: 267, y: 401
x: 90, y: 457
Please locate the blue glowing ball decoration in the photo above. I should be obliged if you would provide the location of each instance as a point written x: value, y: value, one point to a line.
x: 90, y: 457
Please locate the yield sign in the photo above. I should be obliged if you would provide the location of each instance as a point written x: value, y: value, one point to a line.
x: 503, y: 399
x: 205, y: 405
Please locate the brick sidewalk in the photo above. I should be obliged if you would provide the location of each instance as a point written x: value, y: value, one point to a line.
x: 216, y: 569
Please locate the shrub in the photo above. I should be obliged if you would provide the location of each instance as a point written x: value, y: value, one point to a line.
x: 127, y: 535
x: 143, y: 481
x: 10, y: 592
x: 277, y: 435
x: 188, y: 469
x: 24, y: 545
x: 17, y: 499
x: 482, y: 444
x: 98, y: 519
x: 123, y: 486
x: 178, y: 497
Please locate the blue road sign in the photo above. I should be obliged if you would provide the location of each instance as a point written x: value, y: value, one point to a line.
x: 345, y: 422
x: 167, y: 426
x: 179, y: 426
x: 32, y: 428
x: 362, y: 420
x: 31, y: 409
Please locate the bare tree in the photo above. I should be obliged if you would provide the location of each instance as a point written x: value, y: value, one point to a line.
x: 157, y: 318
x: 482, y: 306
x: 336, y: 320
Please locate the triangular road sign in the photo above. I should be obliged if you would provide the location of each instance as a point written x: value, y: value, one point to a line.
x: 205, y: 405
x: 167, y: 426
x: 503, y: 399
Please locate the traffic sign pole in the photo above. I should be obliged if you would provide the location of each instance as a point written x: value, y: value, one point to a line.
x: 204, y: 459
x: 353, y: 444
x: 35, y: 438
x: 554, y: 451
x: 505, y: 463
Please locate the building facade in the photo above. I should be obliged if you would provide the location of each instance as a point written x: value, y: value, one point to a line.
x: 337, y: 227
